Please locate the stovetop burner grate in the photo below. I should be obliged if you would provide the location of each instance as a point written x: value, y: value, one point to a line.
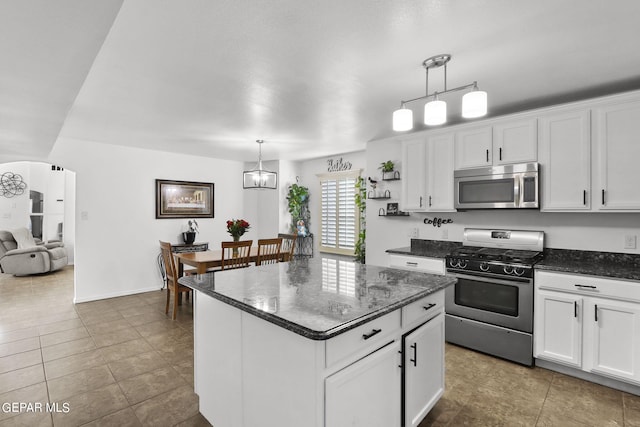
x: 497, y: 254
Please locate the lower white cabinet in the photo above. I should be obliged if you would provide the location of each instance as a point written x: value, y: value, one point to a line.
x: 589, y: 323
x: 366, y: 393
x: 423, y: 358
x: 418, y: 263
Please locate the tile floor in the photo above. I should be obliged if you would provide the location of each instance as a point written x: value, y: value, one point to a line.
x: 121, y: 362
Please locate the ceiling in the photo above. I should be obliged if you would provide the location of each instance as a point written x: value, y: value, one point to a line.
x: 311, y: 78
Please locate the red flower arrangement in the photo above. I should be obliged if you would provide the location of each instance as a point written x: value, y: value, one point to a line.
x: 237, y: 227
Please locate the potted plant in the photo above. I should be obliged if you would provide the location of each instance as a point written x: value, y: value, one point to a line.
x: 298, y: 199
x: 189, y: 236
x: 387, y: 168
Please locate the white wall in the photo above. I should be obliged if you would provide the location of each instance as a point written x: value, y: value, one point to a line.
x: 116, y: 230
x: 584, y: 231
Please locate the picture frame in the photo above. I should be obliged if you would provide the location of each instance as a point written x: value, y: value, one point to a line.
x: 392, y: 209
x: 183, y: 199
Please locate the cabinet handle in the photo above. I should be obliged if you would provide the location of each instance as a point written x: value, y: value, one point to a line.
x: 487, y: 155
x: 500, y: 153
x: 412, y: 264
x: 429, y: 201
x: 414, y: 346
x: 401, y: 358
x: 420, y: 201
x: 430, y: 306
x: 586, y: 287
x: 372, y: 333
x: 596, y: 312
x: 584, y: 197
x: 603, y: 196
x: 575, y: 309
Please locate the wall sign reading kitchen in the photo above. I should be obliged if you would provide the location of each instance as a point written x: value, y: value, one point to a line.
x: 437, y: 222
x: 338, y: 165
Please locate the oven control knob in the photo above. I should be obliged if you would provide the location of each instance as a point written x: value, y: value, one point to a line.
x: 484, y: 266
x: 463, y: 263
x: 508, y: 269
x: 518, y: 271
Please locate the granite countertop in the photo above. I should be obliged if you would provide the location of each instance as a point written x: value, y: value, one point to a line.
x: 605, y: 264
x: 317, y: 298
x: 427, y: 248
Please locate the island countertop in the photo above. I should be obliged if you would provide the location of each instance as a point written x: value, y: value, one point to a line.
x: 317, y: 298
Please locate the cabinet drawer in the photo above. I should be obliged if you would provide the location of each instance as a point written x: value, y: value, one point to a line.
x: 423, y: 309
x: 362, y: 339
x: 589, y: 285
x: 427, y: 265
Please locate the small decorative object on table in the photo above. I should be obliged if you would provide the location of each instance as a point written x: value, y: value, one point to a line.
x: 302, y: 229
x: 237, y: 227
x: 189, y: 236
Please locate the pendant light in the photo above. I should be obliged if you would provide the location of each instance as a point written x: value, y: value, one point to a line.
x: 474, y: 103
x: 259, y: 177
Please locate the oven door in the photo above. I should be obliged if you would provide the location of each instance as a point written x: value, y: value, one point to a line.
x: 506, y: 303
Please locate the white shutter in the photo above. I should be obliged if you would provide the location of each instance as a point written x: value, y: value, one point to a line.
x: 339, y: 216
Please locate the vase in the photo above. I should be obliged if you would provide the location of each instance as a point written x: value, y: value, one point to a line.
x: 235, y: 250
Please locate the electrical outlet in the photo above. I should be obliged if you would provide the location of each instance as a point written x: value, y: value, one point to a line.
x: 630, y: 241
x: 6, y: 215
x: 414, y: 233
x: 445, y: 233
x: 84, y: 215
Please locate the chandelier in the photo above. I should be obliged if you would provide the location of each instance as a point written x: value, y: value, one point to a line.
x: 474, y: 103
x: 259, y: 177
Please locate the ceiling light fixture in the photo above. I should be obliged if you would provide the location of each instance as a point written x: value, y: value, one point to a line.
x: 474, y: 103
x: 259, y: 177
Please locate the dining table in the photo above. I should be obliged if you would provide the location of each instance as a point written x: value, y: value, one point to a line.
x: 205, y: 260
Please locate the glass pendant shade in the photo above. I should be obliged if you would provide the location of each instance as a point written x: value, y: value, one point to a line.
x: 435, y: 113
x: 402, y: 119
x: 474, y: 104
x: 259, y: 177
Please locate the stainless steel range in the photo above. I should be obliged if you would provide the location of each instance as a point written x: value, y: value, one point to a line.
x: 490, y: 309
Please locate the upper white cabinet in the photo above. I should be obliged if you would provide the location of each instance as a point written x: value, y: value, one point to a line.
x: 564, y: 151
x: 506, y: 142
x: 617, y: 173
x: 427, y: 183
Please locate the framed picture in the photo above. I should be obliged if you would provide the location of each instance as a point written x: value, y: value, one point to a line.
x: 392, y: 209
x: 183, y: 199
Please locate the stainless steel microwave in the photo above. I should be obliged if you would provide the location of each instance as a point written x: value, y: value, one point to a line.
x: 497, y: 187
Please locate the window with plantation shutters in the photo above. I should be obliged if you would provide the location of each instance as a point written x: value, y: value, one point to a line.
x: 339, y: 215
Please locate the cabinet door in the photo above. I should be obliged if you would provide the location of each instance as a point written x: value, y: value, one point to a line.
x: 515, y: 142
x: 366, y: 393
x: 424, y: 370
x: 414, y: 175
x: 473, y: 148
x: 618, y: 156
x: 558, y: 327
x: 440, y: 173
x: 612, y: 338
x: 565, y: 156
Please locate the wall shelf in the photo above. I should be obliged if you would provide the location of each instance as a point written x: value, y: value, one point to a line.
x: 399, y: 214
x: 386, y: 195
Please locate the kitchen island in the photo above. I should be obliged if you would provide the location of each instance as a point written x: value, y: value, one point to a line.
x: 318, y: 342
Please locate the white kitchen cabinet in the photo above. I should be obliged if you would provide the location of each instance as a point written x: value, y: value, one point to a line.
x: 589, y: 323
x: 611, y: 328
x: 427, y: 184
x: 414, y: 175
x: 366, y: 393
x: 474, y: 147
x: 617, y: 142
x: 558, y: 327
x: 418, y: 263
x: 423, y: 358
x: 565, y: 159
x: 505, y: 142
x: 440, y: 173
x: 515, y: 141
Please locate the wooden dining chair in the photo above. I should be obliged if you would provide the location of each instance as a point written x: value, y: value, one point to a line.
x: 172, y: 279
x: 235, y: 254
x: 269, y: 251
x: 288, y: 245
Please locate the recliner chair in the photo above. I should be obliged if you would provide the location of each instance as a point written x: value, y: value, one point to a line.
x: 41, y: 258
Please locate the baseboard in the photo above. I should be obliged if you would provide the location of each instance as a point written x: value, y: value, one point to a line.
x: 587, y: 376
x: 115, y: 294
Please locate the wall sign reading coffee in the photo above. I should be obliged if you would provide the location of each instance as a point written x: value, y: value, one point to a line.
x: 438, y: 222
x: 338, y: 165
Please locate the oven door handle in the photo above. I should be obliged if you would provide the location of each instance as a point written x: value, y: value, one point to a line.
x: 492, y: 279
